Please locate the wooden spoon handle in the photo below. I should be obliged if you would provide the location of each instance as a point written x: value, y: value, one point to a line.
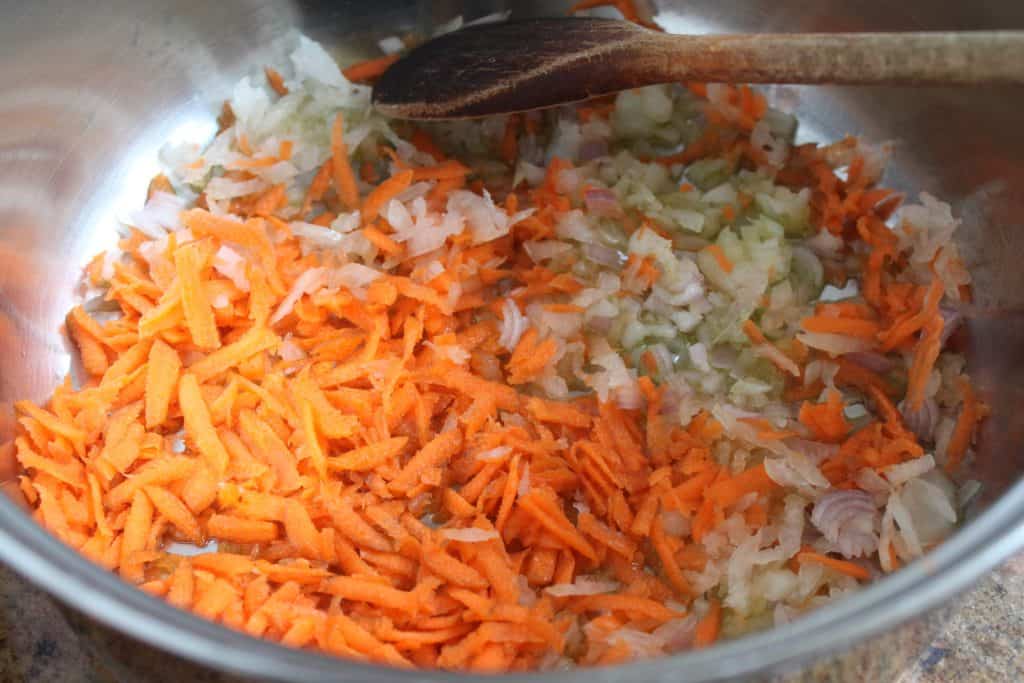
x: 960, y: 58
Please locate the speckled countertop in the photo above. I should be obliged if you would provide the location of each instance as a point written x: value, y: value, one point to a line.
x: 983, y: 641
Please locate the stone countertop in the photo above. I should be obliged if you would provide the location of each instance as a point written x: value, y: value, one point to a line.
x: 983, y: 641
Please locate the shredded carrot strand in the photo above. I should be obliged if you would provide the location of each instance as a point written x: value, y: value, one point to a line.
x: 960, y: 440
x: 384, y: 193
x: 842, y: 566
x: 370, y: 69
x: 276, y: 81
x: 709, y: 627
x: 344, y: 177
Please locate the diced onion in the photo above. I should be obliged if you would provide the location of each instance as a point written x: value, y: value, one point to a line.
x: 469, y: 535
x: 583, y: 585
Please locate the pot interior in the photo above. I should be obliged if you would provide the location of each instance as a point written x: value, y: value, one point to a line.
x: 91, y: 91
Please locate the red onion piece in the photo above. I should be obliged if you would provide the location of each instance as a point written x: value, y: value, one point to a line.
x: 922, y: 421
x: 848, y: 519
x: 602, y: 202
x: 603, y: 256
x: 663, y: 358
x: 628, y: 396
x: 600, y: 324
x: 677, y: 634
x: 951, y: 321
x: 871, y: 360
x: 816, y: 451
x: 723, y: 357
x: 593, y: 149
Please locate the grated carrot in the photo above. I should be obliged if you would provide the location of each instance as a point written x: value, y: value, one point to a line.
x: 370, y: 69
x: 344, y: 177
x: 966, y: 421
x: 827, y: 421
x: 199, y: 425
x: 87, y: 338
x: 276, y: 81
x: 240, y: 529
x: 369, y: 457
x: 841, y: 566
x: 254, y: 341
x: 710, y: 625
x: 382, y: 241
x: 384, y: 193
x: 161, y: 380
x: 171, y: 507
x: 198, y: 313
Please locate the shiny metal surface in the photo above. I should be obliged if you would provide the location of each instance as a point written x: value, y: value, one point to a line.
x: 90, y: 90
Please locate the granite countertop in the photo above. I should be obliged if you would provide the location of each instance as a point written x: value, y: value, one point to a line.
x: 39, y: 641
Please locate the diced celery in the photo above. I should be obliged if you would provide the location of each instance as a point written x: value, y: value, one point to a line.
x: 708, y: 173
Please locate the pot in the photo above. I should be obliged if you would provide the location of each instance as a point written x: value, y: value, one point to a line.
x: 89, y: 92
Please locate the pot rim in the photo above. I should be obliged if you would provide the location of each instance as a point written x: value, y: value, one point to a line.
x: 949, y: 569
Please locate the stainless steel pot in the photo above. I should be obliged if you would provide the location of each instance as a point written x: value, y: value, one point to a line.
x: 90, y: 90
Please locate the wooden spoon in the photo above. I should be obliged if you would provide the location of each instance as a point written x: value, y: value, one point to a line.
x: 523, y: 65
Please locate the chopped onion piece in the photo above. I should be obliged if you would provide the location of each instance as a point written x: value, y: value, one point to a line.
x: 583, y: 585
x: 469, y: 535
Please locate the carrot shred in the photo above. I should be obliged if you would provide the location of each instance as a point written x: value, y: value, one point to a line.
x: 254, y: 341
x: 925, y: 354
x: 434, y: 454
x: 384, y: 193
x: 199, y: 425
x: 276, y: 81
x: 133, y: 539
x: 842, y: 566
x: 827, y: 421
x: 198, y: 312
x: 175, y: 511
x: 963, y: 430
x: 344, y: 176
x: 240, y: 529
x: 851, y: 327
x: 369, y: 70
x: 87, y: 338
x: 161, y: 381
x: 710, y: 625
x: 370, y: 456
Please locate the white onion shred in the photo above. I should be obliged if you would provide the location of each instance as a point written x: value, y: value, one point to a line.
x: 911, y: 469
x: 524, y: 481
x: 316, y: 235
x: 513, y: 325
x: 834, y: 344
x: 353, y: 276
x: 231, y: 265
x: 307, y: 283
x: 469, y: 535
x: 781, y: 360
x: 493, y: 454
x: 160, y: 214
x: 290, y: 351
x: 583, y: 585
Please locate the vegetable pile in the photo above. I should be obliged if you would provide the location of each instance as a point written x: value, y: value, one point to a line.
x: 572, y: 387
